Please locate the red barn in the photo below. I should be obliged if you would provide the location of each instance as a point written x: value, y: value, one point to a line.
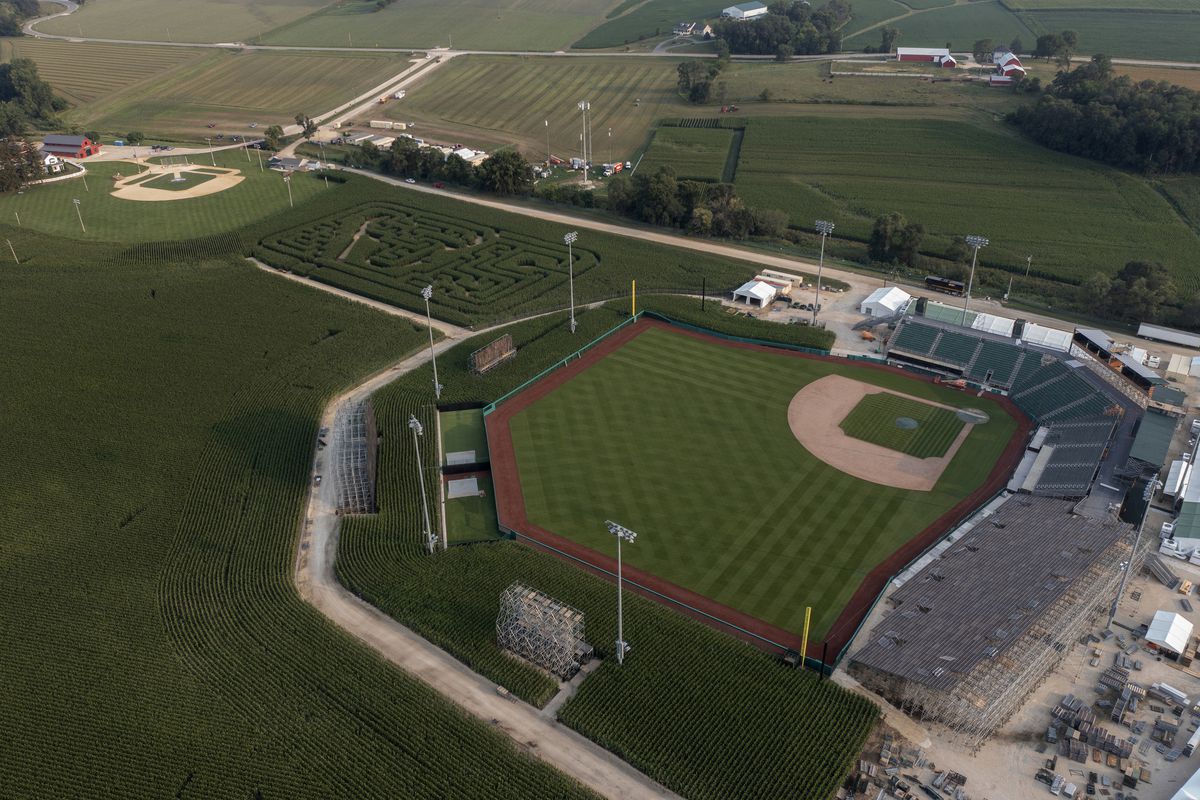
x: 934, y: 55
x: 70, y: 146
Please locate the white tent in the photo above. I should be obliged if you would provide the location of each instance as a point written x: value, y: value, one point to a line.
x: 885, y: 301
x: 990, y: 323
x: 1194, y: 369
x: 755, y: 293
x: 1190, y: 790
x: 1170, y: 631
x: 1050, y: 338
x: 1179, y: 365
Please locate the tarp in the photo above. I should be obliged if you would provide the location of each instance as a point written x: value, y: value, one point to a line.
x: 1170, y: 631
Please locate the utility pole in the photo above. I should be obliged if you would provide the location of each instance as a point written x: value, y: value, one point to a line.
x: 547, y: 123
x: 288, y: 180
x: 976, y: 242
x: 622, y: 533
x: 584, y: 105
x: 824, y: 227
x: 79, y: 214
x: 1028, y: 264
x: 569, y: 240
x: 11, y: 250
x: 414, y: 425
x: 427, y: 294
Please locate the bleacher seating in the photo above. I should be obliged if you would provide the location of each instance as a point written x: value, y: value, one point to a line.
x: 998, y: 357
x: 912, y: 337
x: 956, y: 348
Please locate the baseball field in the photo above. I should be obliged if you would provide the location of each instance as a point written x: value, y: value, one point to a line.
x: 696, y: 444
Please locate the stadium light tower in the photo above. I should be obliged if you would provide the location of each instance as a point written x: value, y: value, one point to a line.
x: 824, y: 227
x: 79, y: 214
x: 414, y: 425
x: 975, y: 242
x: 426, y: 295
x: 569, y: 240
x: 287, y: 179
x: 622, y: 533
x: 584, y: 105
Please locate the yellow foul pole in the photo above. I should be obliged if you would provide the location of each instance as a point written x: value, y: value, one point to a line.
x: 804, y: 639
x: 633, y: 298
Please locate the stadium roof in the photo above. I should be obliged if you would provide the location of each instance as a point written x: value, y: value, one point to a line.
x: 1097, y: 337
x: 986, y: 590
x: 1153, y: 439
x: 1135, y: 366
x: 1170, y: 395
x: 1169, y: 630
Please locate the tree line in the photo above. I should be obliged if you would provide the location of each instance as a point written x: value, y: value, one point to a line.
x: 788, y: 28
x: 1148, y: 126
x: 13, y: 13
x: 25, y: 99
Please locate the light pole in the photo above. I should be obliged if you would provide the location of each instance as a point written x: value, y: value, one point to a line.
x: 79, y: 214
x: 975, y: 242
x: 211, y: 154
x: 288, y: 180
x: 1028, y: 264
x: 824, y: 227
x: 547, y: 123
x: 584, y: 105
x: 426, y: 294
x: 569, y: 240
x: 84, y: 176
x: 414, y: 425
x: 621, y: 532
x: 610, y: 145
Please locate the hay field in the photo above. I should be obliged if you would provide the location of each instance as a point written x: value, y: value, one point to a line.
x: 478, y: 24
x: 698, y: 153
x: 180, y: 20
x: 1075, y: 216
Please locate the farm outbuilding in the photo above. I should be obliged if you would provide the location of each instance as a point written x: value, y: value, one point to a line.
x: 755, y: 293
x: 885, y: 302
x: 933, y: 55
x: 70, y: 146
x: 1169, y: 631
x: 744, y: 11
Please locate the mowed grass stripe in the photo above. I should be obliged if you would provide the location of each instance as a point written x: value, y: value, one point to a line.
x: 687, y: 442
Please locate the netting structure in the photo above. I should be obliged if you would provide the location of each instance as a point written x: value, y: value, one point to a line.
x: 542, y: 630
x: 355, y: 452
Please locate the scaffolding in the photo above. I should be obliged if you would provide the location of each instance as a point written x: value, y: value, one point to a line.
x: 990, y: 686
x: 542, y: 630
x: 356, y: 446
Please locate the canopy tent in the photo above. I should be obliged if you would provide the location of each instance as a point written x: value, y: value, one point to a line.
x: 885, y: 301
x: 755, y: 293
x: 1169, y: 631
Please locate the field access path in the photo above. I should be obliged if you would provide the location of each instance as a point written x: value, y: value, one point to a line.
x: 533, y: 731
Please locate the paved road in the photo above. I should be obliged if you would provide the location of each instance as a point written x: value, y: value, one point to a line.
x: 533, y: 731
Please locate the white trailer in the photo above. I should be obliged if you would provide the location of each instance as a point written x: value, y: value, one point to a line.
x: 1160, y: 334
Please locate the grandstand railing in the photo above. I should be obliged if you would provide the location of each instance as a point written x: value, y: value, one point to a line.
x: 1115, y: 380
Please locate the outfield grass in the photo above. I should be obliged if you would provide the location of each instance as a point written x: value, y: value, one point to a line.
x: 688, y: 443
x: 463, y: 430
x: 472, y: 519
x: 875, y: 420
x: 49, y: 208
x: 112, y: 67
x: 696, y: 153
x: 180, y: 20
x: 236, y: 89
x: 1074, y: 216
x: 159, y: 429
x: 478, y: 24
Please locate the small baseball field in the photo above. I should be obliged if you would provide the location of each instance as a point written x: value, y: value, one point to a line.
x: 685, y: 439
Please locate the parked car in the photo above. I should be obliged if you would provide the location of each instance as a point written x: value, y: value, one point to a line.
x: 409, y: 180
x: 439, y: 185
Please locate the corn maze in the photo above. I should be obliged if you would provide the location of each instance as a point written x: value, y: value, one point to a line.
x: 389, y: 252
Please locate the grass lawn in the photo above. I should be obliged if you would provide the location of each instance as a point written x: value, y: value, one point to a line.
x: 462, y: 431
x: 688, y: 443
x: 472, y: 519
x: 180, y: 20
x: 478, y: 24
x: 49, y: 209
x: 1074, y: 216
x: 876, y: 420
x: 697, y: 153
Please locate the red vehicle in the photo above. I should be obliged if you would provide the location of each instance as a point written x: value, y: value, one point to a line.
x: 439, y: 185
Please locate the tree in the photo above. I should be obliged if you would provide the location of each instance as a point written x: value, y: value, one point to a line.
x: 1048, y: 45
x: 135, y: 137
x: 272, y: 135
x: 1016, y: 45
x: 308, y: 126
x: 1140, y: 290
x: 982, y: 50
x: 887, y: 39
x: 20, y: 164
x: 506, y: 172
x: 701, y: 222
x: 894, y: 239
x: 784, y: 52
x: 1093, y: 292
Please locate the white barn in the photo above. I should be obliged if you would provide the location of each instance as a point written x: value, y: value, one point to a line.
x: 755, y: 293
x: 744, y: 11
x: 1169, y: 631
x: 885, y: 302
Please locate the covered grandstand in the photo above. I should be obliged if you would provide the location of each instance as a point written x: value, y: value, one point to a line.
x: 971, y: 634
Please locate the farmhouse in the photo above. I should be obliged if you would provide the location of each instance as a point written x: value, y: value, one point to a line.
x: 52, y: 164
x: 933, y: 55
x: 885, y: 302
x: 745, y: 11
x: 755, y: 293
x: 70, y: 146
